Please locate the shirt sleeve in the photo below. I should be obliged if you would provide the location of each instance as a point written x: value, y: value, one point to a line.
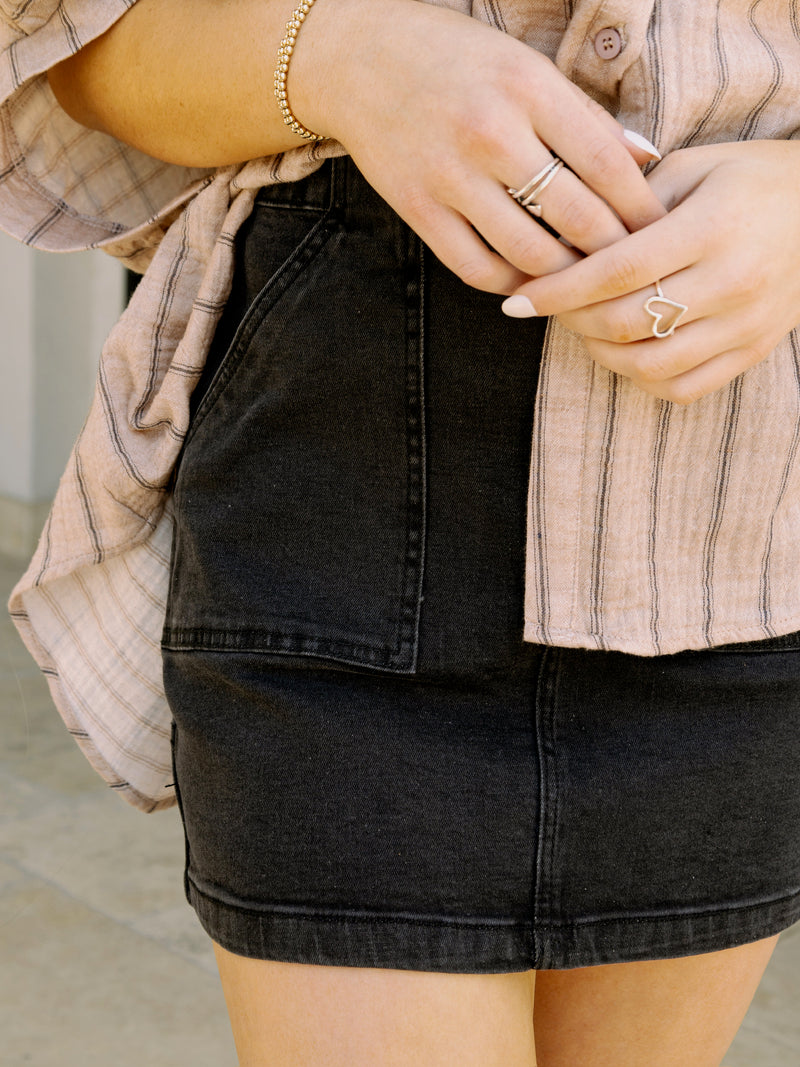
x: 64, y: 187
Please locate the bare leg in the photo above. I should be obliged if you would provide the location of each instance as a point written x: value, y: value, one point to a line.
x: 665, y: 1013
x: 298, y: 1015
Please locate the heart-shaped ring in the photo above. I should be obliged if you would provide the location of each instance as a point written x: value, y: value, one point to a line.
x: 660, y: 308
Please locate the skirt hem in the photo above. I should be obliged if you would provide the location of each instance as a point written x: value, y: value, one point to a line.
x: 480, y: 945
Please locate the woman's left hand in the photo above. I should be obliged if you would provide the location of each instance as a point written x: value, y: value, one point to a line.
x: 728, y: 249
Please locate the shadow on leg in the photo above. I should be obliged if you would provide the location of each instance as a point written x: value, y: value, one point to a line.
x: 662, y: 1013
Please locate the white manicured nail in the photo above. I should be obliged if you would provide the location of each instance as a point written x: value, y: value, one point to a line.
x: 518, y: 307
x: 643, y: 143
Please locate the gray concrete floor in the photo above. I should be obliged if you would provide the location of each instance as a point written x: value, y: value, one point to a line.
x: 103, y: 962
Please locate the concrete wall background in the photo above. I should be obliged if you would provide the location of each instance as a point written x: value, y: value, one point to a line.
x: 56, y: 311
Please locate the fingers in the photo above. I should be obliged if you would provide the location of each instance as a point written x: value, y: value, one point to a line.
x: 565, y: 203
x: 642, y: 150
x: 461, y: 249
x: 697, y: 382
x: 719, y: 268
x: 714, y: 343
x: 631, y: 264
x: 656, y: 360
x: 458, y: 143
x: 715, y: 338
x: 517, y: 237
x: 514, y: 247
x: 597, y: 153
x: 576, y: 213
x: 635, y: 316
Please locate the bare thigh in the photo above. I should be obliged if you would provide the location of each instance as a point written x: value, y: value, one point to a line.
x: 299, y: 1015
x: 665, y: 1013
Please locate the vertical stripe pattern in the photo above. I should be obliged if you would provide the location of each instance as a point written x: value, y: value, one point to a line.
x: 657, y: 467
x: 537, y: 522
x: 750, y: 127
x: 602, y: 498
x: 718, y: 504
x: 722, y: 79
x: 789, y: 466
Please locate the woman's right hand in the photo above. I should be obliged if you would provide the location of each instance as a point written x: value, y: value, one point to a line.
x: 442, y: 113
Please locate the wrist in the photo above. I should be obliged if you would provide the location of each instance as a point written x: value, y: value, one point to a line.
x: 333, y: 59
x: 281, y: 78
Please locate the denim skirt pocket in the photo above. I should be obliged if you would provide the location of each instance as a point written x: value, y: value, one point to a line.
x: 300, y: 494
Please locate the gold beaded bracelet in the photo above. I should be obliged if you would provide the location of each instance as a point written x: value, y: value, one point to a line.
x: 282, y: 69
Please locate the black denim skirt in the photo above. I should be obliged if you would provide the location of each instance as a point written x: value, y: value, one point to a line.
x: 373, y: 768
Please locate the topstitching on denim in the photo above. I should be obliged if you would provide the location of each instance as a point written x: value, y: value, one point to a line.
x: 286, y: 475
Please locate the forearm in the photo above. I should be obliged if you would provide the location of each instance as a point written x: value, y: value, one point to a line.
x: 440, y: 112
x: 191, y: 81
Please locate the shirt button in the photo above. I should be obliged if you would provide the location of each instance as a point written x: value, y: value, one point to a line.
x: 608, y: 43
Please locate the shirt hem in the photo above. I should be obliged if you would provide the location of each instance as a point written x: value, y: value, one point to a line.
x: 689, y: 640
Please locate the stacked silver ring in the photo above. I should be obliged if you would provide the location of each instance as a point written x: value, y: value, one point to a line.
x: 526, y: 196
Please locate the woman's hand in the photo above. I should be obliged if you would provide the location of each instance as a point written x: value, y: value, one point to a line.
x: 727, y: 249
x: 442, y: 113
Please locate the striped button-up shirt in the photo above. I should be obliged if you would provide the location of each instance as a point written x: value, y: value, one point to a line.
x: 652, y: 528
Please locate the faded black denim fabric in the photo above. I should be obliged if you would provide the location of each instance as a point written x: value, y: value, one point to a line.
x: 302, y: 528
x: 373, y: 768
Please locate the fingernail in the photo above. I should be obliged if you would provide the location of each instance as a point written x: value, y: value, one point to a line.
x: 643, y: 143
x: 518, y: 307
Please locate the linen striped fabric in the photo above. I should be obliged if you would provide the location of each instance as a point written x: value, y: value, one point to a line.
x: 652, y: 528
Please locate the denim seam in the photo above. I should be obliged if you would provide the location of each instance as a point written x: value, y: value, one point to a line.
x: 343, y: 915
x: 676, y: 915
x: 414, y: 565
x: 405, y: 653
x: 273, y: 642
x: 544, y: 720
x: 541, y: 930
x: 274, y: 288
x: 278, y: 205
x: 567, y: 940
